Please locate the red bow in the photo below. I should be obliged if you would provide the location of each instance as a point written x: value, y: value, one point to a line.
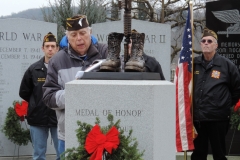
x: 96, y: 142
x: 21, y: 110
x: 237, y: 106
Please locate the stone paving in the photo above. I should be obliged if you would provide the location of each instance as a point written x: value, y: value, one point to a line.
x: 179, y: 156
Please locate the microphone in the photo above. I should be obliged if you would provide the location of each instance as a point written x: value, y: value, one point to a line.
x: 96, y: 64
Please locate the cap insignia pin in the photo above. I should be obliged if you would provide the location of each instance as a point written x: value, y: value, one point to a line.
x: 80, y: 22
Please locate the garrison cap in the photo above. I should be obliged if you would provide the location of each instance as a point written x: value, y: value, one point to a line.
x: 208, y: 32
x: 76, y: 23
x: 49, y: 38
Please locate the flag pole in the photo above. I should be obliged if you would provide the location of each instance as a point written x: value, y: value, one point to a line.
x: 185, y: 155
x: 183, y: 79
x: 191, y: 17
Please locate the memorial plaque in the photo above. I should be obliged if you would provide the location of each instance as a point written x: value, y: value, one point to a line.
x: 20, y: 45
x: 223, y: 18
x: 147, y: 107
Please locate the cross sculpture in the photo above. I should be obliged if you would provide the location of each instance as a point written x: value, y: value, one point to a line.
x: 127, y: 6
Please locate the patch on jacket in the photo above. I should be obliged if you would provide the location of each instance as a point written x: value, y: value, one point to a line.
x: 41, y: 80
x: 215, y: 74
x: 196, y: 72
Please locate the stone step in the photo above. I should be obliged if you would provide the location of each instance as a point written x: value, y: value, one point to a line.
x: 180, y: 156
x: 48, y: 157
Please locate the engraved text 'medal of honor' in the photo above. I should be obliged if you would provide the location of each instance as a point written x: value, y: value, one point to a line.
x: 125, y: 113
x: 119, y: 113
x: 87, y: 112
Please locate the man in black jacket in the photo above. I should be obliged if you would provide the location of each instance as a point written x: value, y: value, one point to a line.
x: 41, y: 118
x: 216, y: 88
x: 150, y: 63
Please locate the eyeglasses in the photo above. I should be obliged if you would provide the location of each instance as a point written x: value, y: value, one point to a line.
x: 206, y: 40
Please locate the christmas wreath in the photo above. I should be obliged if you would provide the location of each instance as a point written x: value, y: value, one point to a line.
x: 12, y: 127
x: 108, y: 143
x: 235, y: 116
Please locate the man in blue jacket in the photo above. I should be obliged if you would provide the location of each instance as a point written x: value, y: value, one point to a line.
x: 64, y: 41
x: 77, y: 56
x: 40, y: 118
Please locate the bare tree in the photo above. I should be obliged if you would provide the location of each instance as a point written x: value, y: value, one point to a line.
x: 94, y: 11
x: 172, y: 12
x: 60, y: 10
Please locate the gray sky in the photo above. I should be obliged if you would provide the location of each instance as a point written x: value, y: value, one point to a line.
x: 7, y: 7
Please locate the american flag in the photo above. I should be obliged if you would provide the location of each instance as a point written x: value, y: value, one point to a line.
x: 182, y: 79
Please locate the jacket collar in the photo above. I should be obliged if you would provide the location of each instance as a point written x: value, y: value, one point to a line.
x: 40, y: 64
x: 215, y: 60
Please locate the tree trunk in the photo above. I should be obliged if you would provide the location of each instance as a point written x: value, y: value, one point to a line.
x: 162, y: 13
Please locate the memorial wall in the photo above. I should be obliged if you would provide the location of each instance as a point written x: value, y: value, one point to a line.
x: 223, y: 18
x: 20, y: 46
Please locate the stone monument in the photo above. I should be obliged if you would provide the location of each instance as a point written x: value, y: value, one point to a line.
x: 145, y: 106
x: 20, y: 45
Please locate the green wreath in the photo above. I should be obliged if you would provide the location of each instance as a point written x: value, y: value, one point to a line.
x: 13, y: 130
x: 235, y: 119
x: 235, y: 116
x: 127, y: 149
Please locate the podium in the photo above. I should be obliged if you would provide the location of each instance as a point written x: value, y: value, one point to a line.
x: 145, y: 106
